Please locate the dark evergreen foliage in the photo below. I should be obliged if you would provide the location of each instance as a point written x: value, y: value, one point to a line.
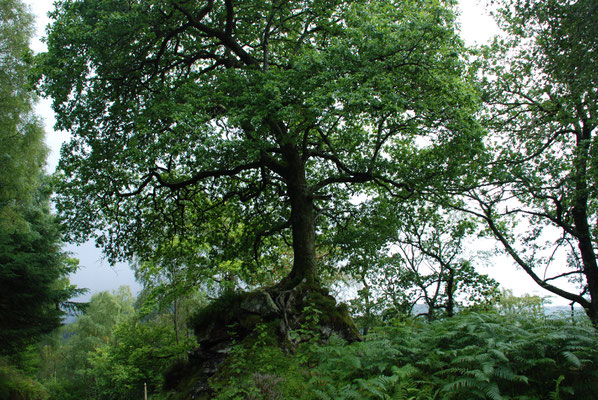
x: 34, y: 286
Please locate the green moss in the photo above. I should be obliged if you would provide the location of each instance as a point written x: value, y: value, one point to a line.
x: 331, y: 315
x: 260, y: 368
x: 221, y: 312
x: 249, y: 322
x: 260, y: 353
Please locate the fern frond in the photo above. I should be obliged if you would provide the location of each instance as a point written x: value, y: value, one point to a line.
x: 404, y: 372
x: 488, y: 368
x: 460, y: 384
x: 507, y: 374
x: 451, y: 371
x: 556, y: 395
x: 349, y: 393
x: 371, y: 389
x: 572, y: 359
x: 493, y: 392
x: 321, y: 395
x: 353, y: 361
x: 499, y: 355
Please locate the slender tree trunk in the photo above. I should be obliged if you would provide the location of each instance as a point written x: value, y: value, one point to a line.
x: 368, y: 305
x: 582, y: 227
x: 175, y: 318
x: 431, y: 315
x: 450, y: 302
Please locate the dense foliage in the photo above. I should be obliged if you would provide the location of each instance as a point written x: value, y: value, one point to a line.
x: 14, y: 384
x: 111, y: 351
x: 264, y: 149
x: 35, y: 291
x: 473, y: 356
x: 511, y: 351
x: 34, y: 286
x: 22, y: 153
x: 271, y: 113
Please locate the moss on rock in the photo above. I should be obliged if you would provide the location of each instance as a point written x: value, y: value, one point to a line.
x: 267, y: 318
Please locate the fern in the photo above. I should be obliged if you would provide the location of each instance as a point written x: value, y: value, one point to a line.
x: 572, y: 359
x: 350, y: 393
x: 507, y: 374
x: 405, y: 372
x: 556, y: 395
x: 493, y: 392
x: 371, y: 387
x: 474, y: 356
x: 472, y: 388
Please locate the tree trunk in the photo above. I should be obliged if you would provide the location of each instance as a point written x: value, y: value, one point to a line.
x: 302, y: 224
x: 368, y: 305
x: 175, y: 320
x: 590, y: 268
x: 582, y: 227
x: 431, y: 314
x: 450, y: 301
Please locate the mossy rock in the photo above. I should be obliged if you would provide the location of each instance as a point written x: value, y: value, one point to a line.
x: 257, y: 319
x: 332, y: 318
x: 234, y: 315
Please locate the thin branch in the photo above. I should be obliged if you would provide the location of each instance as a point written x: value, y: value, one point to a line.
x: 562, y: 275
x: 259, y: 235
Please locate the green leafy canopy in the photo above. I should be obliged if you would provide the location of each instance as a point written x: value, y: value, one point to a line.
x: 282, y: 109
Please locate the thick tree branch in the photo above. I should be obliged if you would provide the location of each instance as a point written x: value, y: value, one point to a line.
x: 176, y: 185
x: 526, y: 267
x: 230, y: 15
x: 225, y: 38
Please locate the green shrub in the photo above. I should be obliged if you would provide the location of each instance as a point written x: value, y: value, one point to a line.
x: 14, y: 385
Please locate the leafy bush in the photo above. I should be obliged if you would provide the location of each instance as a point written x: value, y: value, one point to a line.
x: 14, y: 385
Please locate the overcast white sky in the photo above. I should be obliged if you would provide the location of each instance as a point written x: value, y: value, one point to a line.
x: 477, y: 27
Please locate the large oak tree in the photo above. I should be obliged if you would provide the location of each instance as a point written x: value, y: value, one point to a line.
x: 283, y: 109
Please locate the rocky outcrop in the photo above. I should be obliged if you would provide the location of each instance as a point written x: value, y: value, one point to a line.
x: 233, y: 318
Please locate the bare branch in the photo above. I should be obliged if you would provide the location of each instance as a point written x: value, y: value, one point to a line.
x: 562, y: 275
x: 528, y: 268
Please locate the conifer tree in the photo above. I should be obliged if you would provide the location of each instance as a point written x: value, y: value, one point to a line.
x: 34, y: 286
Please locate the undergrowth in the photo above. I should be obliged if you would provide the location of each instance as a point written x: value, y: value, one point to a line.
x: 471, y: 356
x: 14, y: 385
